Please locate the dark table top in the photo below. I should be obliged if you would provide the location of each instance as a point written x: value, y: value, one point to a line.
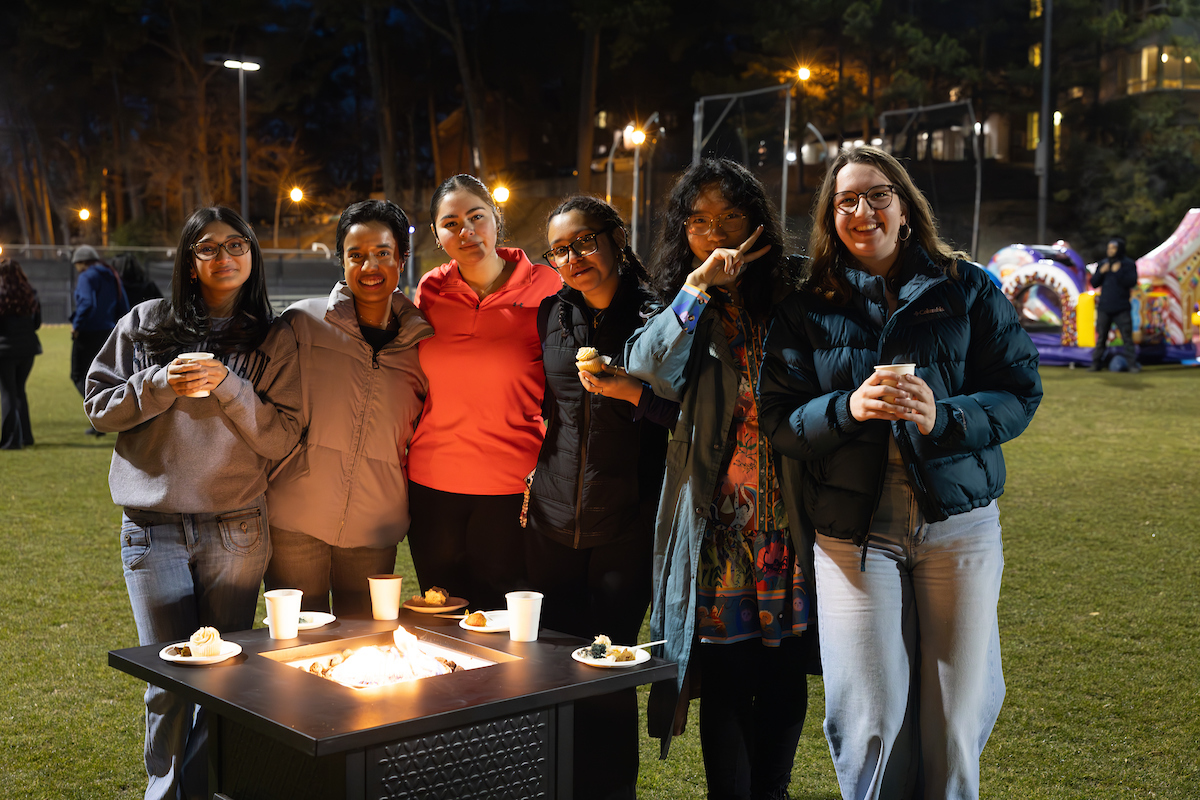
x: 320, y: 717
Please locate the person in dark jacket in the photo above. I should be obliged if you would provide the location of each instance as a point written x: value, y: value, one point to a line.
x: 135, y: 280
x: 733, y: 564
x: 1114, y: 277
x: 20, y: 317
x: 901, y: 477
x: 598, y: 475
x: 100, y: 302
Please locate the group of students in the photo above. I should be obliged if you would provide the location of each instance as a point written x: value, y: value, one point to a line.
x: 738, y: 466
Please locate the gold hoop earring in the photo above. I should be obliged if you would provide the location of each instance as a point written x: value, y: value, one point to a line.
x: 905, y: 232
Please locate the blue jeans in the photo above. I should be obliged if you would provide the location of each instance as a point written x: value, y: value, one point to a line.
x: 184, y: 571
x: 910, y: 648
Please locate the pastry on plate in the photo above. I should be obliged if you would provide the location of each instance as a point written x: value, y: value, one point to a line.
x: 205, y: 642
x: 477, y: 620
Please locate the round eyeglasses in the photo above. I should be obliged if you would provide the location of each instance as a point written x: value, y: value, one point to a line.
x: 703, y: 224
x: 585, y: 245
x: 877, y: 197
x: 235, y: 246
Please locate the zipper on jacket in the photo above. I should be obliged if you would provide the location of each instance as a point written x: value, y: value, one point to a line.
x: 359, y: 428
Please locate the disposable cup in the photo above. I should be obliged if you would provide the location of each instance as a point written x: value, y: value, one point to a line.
x: 894, y: 371
x: 283, y: 612
x: 185, y: 358
x: 524, y: 614
x: 385, y: 596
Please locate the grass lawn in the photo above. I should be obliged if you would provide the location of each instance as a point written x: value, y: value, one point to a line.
x: 1098, y: 615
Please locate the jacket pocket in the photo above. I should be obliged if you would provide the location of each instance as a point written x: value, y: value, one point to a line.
x: 241, y: 531
x: 135, y: 543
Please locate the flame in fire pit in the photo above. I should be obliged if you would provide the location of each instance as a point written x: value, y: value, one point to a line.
x: 375, y: 666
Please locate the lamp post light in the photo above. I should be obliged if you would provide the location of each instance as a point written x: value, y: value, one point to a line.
x: 500, y: 194
x: 637, y: 136
x: 243, y: 65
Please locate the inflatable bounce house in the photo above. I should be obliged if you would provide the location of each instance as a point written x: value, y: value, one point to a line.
x: 1050, y: 286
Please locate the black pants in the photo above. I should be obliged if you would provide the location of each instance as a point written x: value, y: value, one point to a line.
x: 471, y: 545
x: 1104, y: 322
x: 84, y: 348
x: 753, y: 700
x: 603, y: 589
x: 15, y: 431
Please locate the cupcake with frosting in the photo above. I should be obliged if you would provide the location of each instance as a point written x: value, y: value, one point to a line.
x: 205, y: 642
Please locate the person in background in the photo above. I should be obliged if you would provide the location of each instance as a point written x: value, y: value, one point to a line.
x: 100, y: 302
x: 900, y: 476
x: 733, y: 559
x: 1115, y: 276
x: 481, y: 428
x: 190, y: 472
x: 599, y: 473
x: 135, y: 279
x: 20, y: 317
x: 339, y: 507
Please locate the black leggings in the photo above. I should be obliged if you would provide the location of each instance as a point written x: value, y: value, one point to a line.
x: 15, y: 431
x: 470, y: 545
x: 752, y: 705
x: 603, y: 589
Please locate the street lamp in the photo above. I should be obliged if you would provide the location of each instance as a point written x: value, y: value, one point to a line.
x: 84, y: 214
x: 500, y: 194
x: 297, y: 194
x: 242, y: 65
x: 638, y: 137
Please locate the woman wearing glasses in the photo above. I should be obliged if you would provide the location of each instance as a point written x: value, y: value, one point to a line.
x: 481, y: 428
x: 902, y: 477
x: 195, y: 440
x: 599, y: 473
x: 340, y: 506
x: 732, y: 591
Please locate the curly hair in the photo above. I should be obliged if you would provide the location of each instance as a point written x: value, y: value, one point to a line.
x: 601, y: 215
x: 672, y: 260
x: 467, y: 183
x: 183, y: 319
x: 826, y: 250
x: 17, y: 295
x: 384, y: 211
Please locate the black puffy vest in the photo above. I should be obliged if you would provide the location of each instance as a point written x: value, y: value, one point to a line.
x: 599, y: 472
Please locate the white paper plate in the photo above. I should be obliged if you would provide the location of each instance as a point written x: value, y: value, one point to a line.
x: 170, y: 653
x: 582, y: 655
x: 451, y: 604
x: 497, y: 622
x: 311, y: 619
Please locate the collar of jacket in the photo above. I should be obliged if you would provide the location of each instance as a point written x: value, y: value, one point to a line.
x: 522, y: 275
x: 340, y: 313
x: 918, y: 274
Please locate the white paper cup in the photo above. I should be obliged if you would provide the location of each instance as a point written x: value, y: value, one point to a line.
x: 385, y: 596
x: 185, y: 358
x: 283, y: 612
x: 895, y: 371
x: 524, y: 614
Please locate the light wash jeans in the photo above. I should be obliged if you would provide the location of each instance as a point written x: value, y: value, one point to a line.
x: 910, y: 649
x: 184, y: 571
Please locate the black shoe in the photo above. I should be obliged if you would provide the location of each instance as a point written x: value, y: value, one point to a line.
x: 1094, y: 368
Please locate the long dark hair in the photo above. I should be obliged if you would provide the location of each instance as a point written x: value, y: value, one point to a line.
x: 183, y: 319
x: 17, y: 295
x: 672, y: 261
x: 601, y: 215
x: 826, y: 250
x: 468, y: 183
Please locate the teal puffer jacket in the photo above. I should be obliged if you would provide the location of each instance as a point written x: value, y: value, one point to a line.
x: 968, y: 345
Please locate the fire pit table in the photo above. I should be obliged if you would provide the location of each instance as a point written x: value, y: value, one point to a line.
x: 503, y: 729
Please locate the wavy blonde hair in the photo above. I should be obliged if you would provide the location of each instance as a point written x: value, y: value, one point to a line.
x: 825, y: 249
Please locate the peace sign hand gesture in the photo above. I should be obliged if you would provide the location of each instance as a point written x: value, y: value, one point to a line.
x: 724, y: 265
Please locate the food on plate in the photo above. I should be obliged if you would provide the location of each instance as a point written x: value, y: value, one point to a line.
x: 477, y: 620
x: 205, y: 642
x: 600, y: 646
x: 437, y: 596
x: 620, y: 654
x: 588, y: 359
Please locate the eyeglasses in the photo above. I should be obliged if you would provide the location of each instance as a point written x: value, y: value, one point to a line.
x: 877, y: 197
x: 235, y: 246
x: 585, y: 245
x: 704, y: 224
